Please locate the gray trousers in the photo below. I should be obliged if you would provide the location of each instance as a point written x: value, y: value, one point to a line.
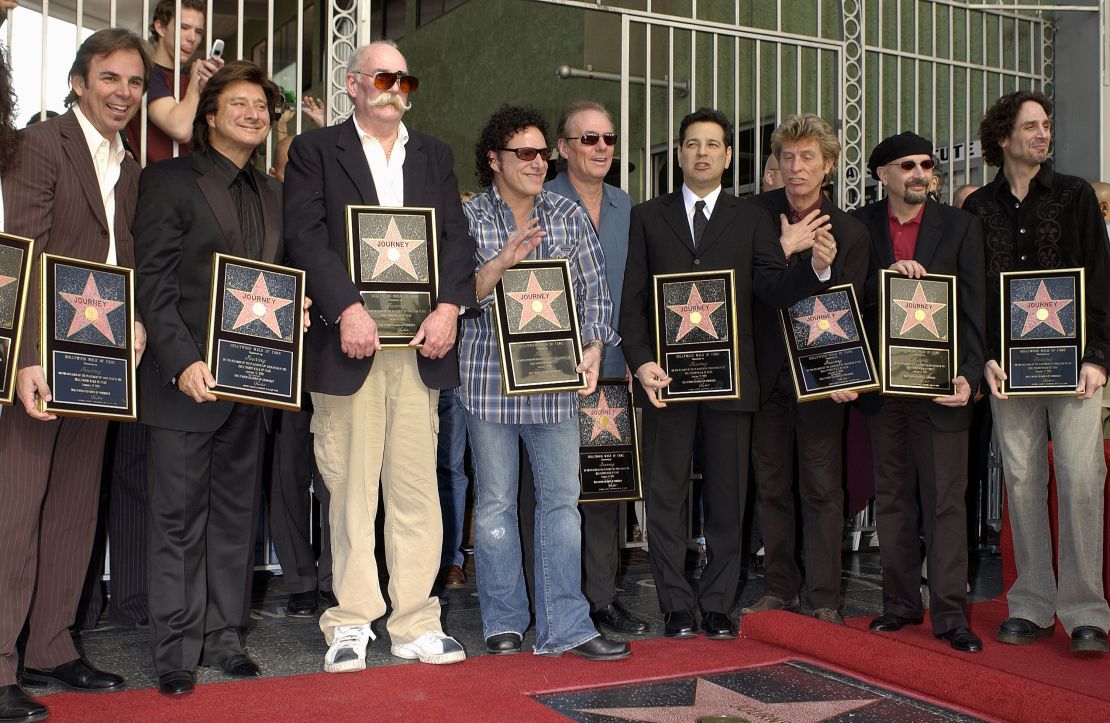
x: 1022, y: 423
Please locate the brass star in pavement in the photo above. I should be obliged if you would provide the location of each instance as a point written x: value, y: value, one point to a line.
x: 1043, y: 309
x: 711, y: 699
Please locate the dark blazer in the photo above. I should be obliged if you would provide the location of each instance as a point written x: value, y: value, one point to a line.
x: 950, y: 241
x: 185, y: 215
x: 51, y: 195
x: 328, y: 171
x: 776, y: 291
x: 659, y: 242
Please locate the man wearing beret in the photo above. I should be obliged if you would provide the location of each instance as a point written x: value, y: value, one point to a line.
x: 919, y: 445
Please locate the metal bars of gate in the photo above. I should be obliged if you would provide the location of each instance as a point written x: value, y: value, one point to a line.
x: 755, y: 94
x: 934, y: 66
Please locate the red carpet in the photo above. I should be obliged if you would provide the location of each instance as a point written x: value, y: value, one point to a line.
x: 1031, y: 683
x: 487, y: 688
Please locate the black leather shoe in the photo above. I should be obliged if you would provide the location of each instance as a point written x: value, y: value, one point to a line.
x: 1088, y: 639
x: 75, y: 675
x: 615, y: 619
x: 889, y: 623
x: 503, y: 644
x: 329, y: 598
x: 718, y: 626
x: 15, y: 705
x: 679, y: 624
x: 962, y: 639
x: 176, y: 682
x: 1019, y: 631
x: 240, y: 666
x: 601, y: 648
x: 302, y: 605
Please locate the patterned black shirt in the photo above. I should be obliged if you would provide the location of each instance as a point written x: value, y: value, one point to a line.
x: 1058, y: 225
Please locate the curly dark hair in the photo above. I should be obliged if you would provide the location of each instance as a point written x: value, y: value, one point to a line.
x: 233, y: 71
x: 501, y: 126
x: 710, y: 115
x: 8, y: 137
x: 998, y: 121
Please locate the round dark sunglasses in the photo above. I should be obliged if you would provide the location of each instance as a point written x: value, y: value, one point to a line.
x: 528, y: 154
x: 926, y: 165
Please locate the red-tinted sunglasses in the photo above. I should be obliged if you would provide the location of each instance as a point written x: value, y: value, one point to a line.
x: 384, y: 80
x: 528, y: 154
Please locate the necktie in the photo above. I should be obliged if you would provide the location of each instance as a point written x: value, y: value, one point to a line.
x: 700, y: 221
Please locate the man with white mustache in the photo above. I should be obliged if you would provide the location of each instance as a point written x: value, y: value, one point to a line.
x: 375, y: 410
x: 919, y: 446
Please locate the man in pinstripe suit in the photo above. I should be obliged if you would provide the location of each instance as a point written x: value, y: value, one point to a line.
x: 73, y: 189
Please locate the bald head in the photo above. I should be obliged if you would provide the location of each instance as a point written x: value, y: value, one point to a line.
x: 1102, y: 191
x: 960, y: 195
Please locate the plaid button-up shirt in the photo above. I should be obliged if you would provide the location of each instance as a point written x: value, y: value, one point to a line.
x: 571, y: 236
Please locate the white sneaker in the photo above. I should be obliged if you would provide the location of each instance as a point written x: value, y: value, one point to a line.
x: 434, y: 646
x: 347, y: 653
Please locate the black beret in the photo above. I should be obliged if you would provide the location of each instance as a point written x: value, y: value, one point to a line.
x: 905, y: 143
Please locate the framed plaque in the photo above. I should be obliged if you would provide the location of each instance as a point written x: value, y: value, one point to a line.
x: 256, y: 332
x: 16, y: 257
x: 537, y: 329
x: 827, y: 345
x: 608, y: 444
x: 917, y: 334
x: 695, y: 335
x: 1043, y: 331
x: 87, y: 338
x: 393, y: 261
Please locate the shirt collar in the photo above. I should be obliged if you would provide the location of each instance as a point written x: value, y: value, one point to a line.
x: 1044, y: 178
x: 94, y: 139
x: 227, y: 169
x: 561, y: 184
x: 806, y: 211
x: 690, y: 198
x: 916, y: 220
x: 402, y: 133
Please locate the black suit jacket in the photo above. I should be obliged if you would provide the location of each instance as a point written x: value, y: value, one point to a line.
x: 659, y: 242
x: 186, y: 214
x: 327, y: 172
x: 777, y: 289
x: 950, y: 241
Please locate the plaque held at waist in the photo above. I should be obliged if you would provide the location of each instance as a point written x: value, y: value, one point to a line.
x: 1043, y: 331
x: 917, y: 334
x: 608, y: 450
x: 16, y: 258
x: 256, y: 332
x: 696, y: 335
x: 87, y: 339
x: 392, y: 258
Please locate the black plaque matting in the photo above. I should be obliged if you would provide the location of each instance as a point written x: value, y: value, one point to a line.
x: 256, y: 332
x: 917, y: 334
x: 87, y: 338
x: 608, y: 444
x: 16, y: 260
x: 537, y: 329
x: 1043, y: 331
x: 827, y: 345
x: 393, y: 259
x: 696, y: 335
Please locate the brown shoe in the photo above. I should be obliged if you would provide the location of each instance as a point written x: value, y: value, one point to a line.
x: 770, y: 602
x: 452, y: 577
x: 828, y: 615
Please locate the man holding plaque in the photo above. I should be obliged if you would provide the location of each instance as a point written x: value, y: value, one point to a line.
x: 1038, y: 219
x: 919, y: 445
x: 515, y: 219
x: 697, y: 228
x: 375, y: 410
x: 71, y: 188
x: 204, y: 453
x: 806, y: 149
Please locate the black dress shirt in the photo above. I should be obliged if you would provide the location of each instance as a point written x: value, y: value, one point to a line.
x: 248, y: 204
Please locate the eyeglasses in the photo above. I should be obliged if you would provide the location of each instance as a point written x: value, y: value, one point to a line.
x: 384, y: 80
x: 528, y: 154
x: 591, y: 138
x: 926, y: 165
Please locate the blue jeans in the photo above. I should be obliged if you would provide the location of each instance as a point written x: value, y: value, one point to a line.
x: 562, y: 613
x: 451, y: 470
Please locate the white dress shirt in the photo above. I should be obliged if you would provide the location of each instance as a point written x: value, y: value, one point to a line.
x: 107, y: 158
x: 690, y: 199
x: 389, y: 179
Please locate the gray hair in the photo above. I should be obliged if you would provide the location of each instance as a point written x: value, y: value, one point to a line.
x: 355, y: 61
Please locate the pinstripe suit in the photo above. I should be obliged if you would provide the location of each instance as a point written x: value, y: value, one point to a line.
x: 52, y: 469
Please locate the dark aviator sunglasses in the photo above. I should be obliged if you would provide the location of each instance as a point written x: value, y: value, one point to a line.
x: 591, y: 138
x: 384, y: 80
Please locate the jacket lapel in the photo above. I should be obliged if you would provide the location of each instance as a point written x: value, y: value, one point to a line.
x: 928, y: 236
x: 77, y: 150
x: 674, y: 213
x: 219, y: 200
x: 415, y: 172
x: 879, y: 226
x: 723, y: 213
x: 353, y: 160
